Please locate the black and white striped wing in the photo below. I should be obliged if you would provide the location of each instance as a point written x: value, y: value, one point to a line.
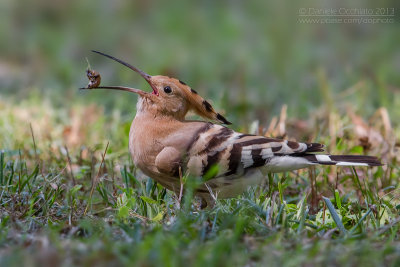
x: 235, y: 153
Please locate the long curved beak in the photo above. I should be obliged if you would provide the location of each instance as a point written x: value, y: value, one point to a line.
x: 121, y: 88
x: 145, y: 76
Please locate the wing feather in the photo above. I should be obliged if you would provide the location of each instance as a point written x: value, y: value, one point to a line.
x: 234, y: 153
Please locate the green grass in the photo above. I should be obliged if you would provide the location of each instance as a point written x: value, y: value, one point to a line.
x: 60, y: 203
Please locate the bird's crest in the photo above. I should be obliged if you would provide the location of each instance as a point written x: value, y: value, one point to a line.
x: 201, y: 106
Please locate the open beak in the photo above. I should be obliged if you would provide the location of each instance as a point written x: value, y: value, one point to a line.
x: 145, y: 76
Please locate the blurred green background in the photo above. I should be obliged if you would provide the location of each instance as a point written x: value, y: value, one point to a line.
x: 248, y: 57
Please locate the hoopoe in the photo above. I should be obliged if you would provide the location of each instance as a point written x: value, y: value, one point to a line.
x: 164, y: 144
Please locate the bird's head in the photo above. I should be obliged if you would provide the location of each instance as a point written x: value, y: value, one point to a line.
x: 169, y: 96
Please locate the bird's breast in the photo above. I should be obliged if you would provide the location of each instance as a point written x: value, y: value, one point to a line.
x: 142, y: 146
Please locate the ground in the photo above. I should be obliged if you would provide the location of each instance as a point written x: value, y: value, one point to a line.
x: 64, y: 202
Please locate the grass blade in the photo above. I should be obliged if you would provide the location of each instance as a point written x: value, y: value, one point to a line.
x: 334, y: 214
x: 303, y: 214
x: 338, y: 200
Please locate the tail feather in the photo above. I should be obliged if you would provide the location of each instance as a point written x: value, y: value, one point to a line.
x: 343, y: 160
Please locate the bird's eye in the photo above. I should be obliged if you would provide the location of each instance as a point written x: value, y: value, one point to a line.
x: 167, y: 89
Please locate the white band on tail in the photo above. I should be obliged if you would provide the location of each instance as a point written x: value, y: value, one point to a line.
x: 323, y: 158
